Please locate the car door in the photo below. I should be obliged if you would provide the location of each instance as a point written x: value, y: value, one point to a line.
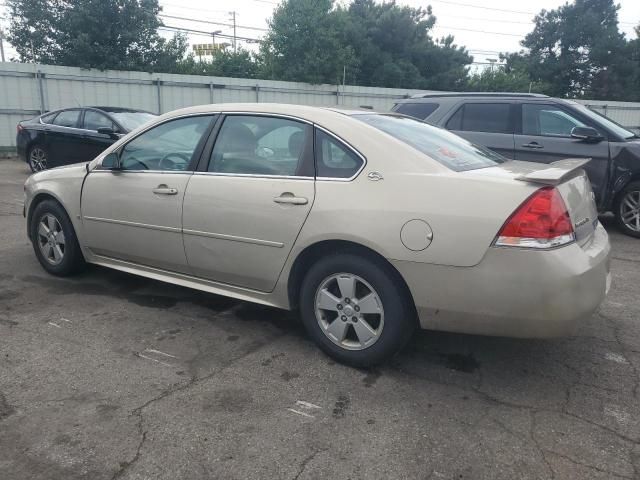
x: 64, y: 138
x: 546, y: 137
x: 135, y: 213
x: 94, y: 142
x: 489, y: 124
x: 243, y: 213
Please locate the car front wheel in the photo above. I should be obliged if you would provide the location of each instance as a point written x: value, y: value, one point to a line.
x: 356, y: 309
x: 627, y: 209
x: 54, y: 239
x: 37, y: 158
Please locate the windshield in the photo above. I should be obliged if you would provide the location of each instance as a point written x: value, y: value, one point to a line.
x: 132, y: 120
x: 605, y: 122
x: 446, y: 148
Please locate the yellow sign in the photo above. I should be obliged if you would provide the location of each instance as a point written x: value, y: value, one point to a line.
x: 207, y: 48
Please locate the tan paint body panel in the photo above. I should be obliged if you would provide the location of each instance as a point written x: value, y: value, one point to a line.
x: 459, y: 274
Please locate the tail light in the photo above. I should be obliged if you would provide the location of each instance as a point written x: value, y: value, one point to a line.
x: 19, y: 128
x: 542, y: 221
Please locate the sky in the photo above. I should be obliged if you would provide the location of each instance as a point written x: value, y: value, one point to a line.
x: 485, y: 27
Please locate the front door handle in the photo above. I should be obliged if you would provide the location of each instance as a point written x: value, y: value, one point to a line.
x: 532, y: 145
x: 164, y: 190
x: 291, y: 199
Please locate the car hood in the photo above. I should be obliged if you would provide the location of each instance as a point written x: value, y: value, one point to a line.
x: 58, y: 172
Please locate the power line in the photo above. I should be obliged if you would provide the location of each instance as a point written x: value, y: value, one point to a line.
x: 482, y: 31
x: 211, y: 22
x: 208, y: 34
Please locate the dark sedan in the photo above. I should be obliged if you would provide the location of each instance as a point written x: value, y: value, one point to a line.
x: 74, y: 135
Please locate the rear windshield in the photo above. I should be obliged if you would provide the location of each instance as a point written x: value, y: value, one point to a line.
x: 132, y: 120
x: 446, y: 148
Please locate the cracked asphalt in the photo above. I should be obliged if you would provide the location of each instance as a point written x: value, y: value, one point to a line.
x: 111, y: 376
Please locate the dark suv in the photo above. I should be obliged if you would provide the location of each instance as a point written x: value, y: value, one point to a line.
x: 538, y: 128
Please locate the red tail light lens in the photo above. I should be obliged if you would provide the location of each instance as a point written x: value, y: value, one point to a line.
x: 19, y: 128
x: 542, y: 221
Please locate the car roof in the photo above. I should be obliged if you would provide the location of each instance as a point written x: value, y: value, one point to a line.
x: 478, y: 94
x: 119, y: 109
x: 305, y: 112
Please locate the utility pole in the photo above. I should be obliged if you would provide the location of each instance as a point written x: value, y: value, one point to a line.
x: 233, y: 18
x: 1, y: 46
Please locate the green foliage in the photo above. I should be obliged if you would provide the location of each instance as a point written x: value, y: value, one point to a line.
x: 240, y: 64
x: 577, y: 51
x: 306, y: 43
x: 502, y: 79
x: 104, y: 34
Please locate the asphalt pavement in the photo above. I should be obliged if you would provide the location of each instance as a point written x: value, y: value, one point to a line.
x: 111, y: 376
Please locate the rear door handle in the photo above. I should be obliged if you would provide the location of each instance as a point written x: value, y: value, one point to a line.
x: 532, y: 145
x: 164, y: 190
x: 289, y: 198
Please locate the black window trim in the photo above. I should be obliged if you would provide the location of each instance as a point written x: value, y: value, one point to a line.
x: 399, y: 105
x: 203, y: 166
x: 513, y: 115
x: 197, y: 154
x: 587, y: 121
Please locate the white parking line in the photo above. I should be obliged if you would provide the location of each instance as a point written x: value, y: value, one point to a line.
x: 151, y: 350
x: 302, y: 403
x: 154, y: 360
x: 54, y: 324
x: 300, y: 413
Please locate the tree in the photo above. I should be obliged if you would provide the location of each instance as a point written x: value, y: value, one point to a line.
x: 306, y: 43
x: 575, y: 50
x: 226, y: 63
x: 115, y: 34
x: 503, y: 79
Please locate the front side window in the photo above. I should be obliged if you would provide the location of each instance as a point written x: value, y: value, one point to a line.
x: 444, y: 147
x: 67, y: 118
x: 421, y: 111
x: 169, y: 146
x: 547, y: 121
x: 257, y: 145
x: 482, y: 117
x: 334, y: 159
x: 94, y: 120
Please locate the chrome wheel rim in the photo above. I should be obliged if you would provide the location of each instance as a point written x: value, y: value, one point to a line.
x: 38, y: 159
x: 51, y: 239
x: 630, y: 210
x: 349, y: 311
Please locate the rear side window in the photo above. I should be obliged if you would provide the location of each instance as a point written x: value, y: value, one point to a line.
x: 334, y: 159
x: 482, y: 117
x: 420, y: 111
x: 67, y: 118
x: 48, y: 118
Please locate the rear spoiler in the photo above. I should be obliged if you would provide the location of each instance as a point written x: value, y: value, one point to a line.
x: 556, y: 173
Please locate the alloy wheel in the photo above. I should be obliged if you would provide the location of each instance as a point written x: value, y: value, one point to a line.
x: 349, y: 311
x: 38, y: 159
x: 630, y: 210
x: 51, y: 239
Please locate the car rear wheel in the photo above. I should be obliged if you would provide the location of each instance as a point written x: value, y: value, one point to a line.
x: 356, y: 309
x: 627, y: 209
x: 37, y: 158
x: 54, y: 239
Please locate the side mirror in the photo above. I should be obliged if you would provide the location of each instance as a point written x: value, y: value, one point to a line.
x: 111, y: 162
x: 587, y: 134
x: 108, y: 131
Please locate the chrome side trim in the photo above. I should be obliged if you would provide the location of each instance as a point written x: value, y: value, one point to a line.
x: 233, y: 238
x: 120, y: 172
x: 252, y: 175
x: 133, y: 224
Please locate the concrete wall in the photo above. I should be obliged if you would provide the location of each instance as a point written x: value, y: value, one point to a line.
x: 28, y: 89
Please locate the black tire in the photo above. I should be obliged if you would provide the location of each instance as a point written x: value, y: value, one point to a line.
x: 399, y: 312
x: 72, y: 260
x: 34, y: 165
x: 621, y: 207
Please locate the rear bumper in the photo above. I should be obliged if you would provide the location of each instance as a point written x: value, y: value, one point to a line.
x: 513, y: 292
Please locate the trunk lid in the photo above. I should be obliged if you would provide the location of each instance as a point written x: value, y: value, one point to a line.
x: 570, y: 180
